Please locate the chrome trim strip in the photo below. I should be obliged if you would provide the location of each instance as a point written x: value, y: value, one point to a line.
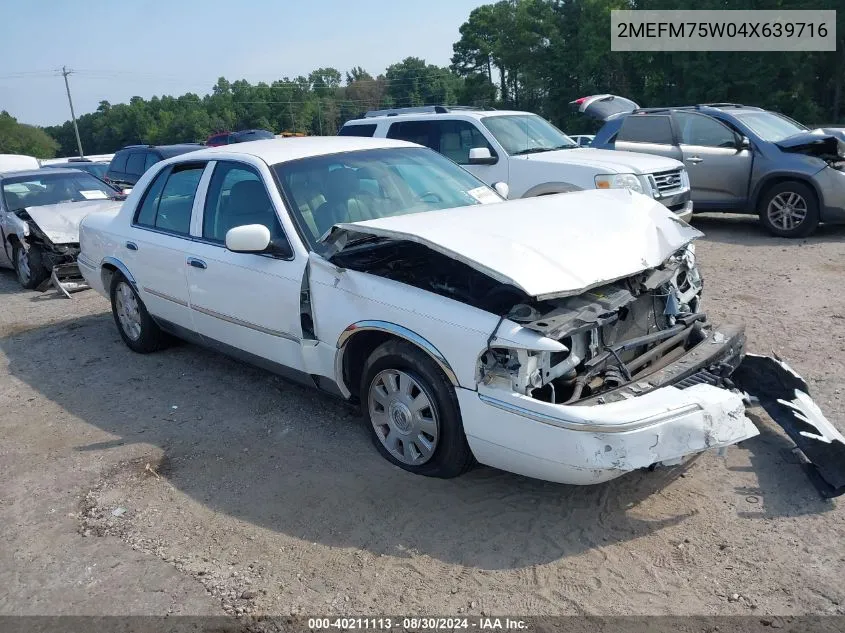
x: 246, y: 324
x: 396, y: 330
x: 588, y: 427
x: 121, y: 267
x: 166, y: 297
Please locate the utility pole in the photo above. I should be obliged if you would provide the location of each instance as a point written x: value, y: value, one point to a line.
x: 65, y: 73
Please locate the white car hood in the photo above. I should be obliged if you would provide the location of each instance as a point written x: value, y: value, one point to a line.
x: 609, y: 161
x: 553, y: 246
x: 60, y: 222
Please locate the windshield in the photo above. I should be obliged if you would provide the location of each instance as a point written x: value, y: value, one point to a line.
x: 371, y: 184
x: 526, y: 134
x: 36, y: 191
x: 770, y: 126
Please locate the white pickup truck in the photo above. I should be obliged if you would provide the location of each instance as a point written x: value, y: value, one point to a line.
x: 527, y: 153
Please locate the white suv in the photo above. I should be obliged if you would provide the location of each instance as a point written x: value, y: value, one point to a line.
x: 527, y: 153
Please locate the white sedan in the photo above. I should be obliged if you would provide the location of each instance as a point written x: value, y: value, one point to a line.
x: 558, y: 337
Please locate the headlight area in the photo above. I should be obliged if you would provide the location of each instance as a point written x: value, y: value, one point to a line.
x: 623, y: 181
x: 607, y: 338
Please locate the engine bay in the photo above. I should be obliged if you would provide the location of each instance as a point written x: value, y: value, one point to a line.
x: 612, y: 335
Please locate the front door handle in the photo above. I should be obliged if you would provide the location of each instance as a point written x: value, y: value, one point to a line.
x: 132, y: 246
x: 695, y: 159
x: 197, y: 263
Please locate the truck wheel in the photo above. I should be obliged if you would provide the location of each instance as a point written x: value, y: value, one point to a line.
x: 790, y: 209
x: 413, y: 412
x: 137, y: 328
x: 29, y: 265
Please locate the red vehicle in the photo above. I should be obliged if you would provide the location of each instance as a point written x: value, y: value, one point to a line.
x: 218, y: 138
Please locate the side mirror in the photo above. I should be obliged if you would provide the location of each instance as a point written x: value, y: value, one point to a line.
x: 250, y: 238
x: 481, y: 156
x: 502, y: 189
x: 744, y: 143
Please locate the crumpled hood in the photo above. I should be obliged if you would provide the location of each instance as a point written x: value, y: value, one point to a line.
x: 825, y: 145
x: 608, y: 161
x: 552, y: 246
x: 60, y: 222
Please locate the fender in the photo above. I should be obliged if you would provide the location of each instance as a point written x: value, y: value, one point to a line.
x: 761, y: 186
x: 551, y: 187
x: 119, y: 265
x: 396, y: 330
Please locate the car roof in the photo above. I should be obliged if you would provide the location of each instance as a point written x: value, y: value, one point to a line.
x: 27, y: 173
x: 281, y: 150
x: 452, y: 114
x: 75, y: 164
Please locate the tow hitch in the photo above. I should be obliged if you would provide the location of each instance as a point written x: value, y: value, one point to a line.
x: 786, y: 398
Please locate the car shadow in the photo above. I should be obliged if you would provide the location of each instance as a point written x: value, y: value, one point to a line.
x: 245, y: 443
x: 746, y: 230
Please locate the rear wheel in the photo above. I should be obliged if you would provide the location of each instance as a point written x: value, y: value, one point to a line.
x: 790, y: 209
x: 29, y: 265
x: 413, y: 412
x: 137, y: 328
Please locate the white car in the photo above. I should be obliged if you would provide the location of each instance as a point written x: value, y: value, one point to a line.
x: 40, y: 212
x: 526, y: 335
x: 527, y: 153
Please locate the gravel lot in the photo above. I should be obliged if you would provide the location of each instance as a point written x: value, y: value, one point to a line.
x: 245, y: 494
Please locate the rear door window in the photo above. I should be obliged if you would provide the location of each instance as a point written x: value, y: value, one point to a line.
x: 169, y: 199
x: 118, y: 163
x: 135, y: 163
x: 418, y: 132
x: 646, y: 128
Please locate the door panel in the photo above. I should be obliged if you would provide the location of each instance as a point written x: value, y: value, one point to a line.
x: 249, y: 301
x: 719, y: 170
x: 660, y: 149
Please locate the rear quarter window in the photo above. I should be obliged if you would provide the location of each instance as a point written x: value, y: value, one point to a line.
x: 646, y: 128
x: 135, y: 163
x: 358, y: 130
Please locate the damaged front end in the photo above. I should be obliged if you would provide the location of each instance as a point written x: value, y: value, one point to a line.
x: 57, y: 259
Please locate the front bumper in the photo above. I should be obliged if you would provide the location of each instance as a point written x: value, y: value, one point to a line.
x: 831, y: 184
x: 679, y: 203
x: 683, y: 409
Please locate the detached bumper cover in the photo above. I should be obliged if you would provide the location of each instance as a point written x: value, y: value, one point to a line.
x: 786, y: 398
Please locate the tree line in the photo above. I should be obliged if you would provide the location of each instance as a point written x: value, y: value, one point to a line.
x: 535, y: 55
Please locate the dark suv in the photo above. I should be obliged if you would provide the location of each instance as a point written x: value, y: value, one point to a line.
x: 740, y: 159
x: 227, y: 138
x: 128, y: 165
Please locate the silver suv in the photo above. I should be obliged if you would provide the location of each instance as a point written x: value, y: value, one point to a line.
x: 740, y: 159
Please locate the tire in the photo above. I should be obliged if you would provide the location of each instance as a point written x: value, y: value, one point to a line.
x: 781, y: 205
x: 29, y: 266
x: 408, y: 432
x: 143, y: 335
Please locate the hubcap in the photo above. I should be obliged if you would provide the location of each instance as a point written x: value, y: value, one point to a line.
x: 24, y: 273
x: 787, y: 210
x: 403, y: 417
x: 128, y: 311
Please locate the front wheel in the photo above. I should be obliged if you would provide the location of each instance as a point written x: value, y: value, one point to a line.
x: 790, y: 209
x: 137, y: 328
x: 413, y: 412
x: 29, y: 265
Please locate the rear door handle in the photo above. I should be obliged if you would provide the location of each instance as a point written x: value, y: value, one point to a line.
x: 132, y: 246
x: 197, y: 263
x: 695, y: 159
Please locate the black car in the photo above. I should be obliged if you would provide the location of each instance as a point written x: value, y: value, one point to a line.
x: 129, y: 164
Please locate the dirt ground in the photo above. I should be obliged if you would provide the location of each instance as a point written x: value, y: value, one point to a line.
x: 244, y: 494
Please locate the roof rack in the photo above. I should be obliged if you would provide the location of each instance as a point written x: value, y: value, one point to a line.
x: 430, y: 109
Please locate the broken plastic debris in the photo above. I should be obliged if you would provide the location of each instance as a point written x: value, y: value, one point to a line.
x: 118, y: 511
x: 718, y: 337
x: 174, y: 407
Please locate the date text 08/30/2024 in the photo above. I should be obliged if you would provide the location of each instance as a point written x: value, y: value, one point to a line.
x: 418, y: 624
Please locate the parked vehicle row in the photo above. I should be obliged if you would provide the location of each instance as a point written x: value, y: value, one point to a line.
x: 740, y: 159
x: 528, y: 335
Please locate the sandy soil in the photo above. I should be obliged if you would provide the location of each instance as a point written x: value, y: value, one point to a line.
x: 245, y: 494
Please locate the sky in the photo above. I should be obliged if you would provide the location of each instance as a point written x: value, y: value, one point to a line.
x: 154, y: 47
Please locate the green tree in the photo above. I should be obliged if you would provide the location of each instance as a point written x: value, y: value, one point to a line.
x: 19, y: 138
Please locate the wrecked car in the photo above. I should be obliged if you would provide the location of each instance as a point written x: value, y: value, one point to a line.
x: 40, y: 212
x: 740, y: 159
x: 561, y: 337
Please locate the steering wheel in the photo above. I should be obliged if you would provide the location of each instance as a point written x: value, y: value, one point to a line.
x: 429, y: 194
